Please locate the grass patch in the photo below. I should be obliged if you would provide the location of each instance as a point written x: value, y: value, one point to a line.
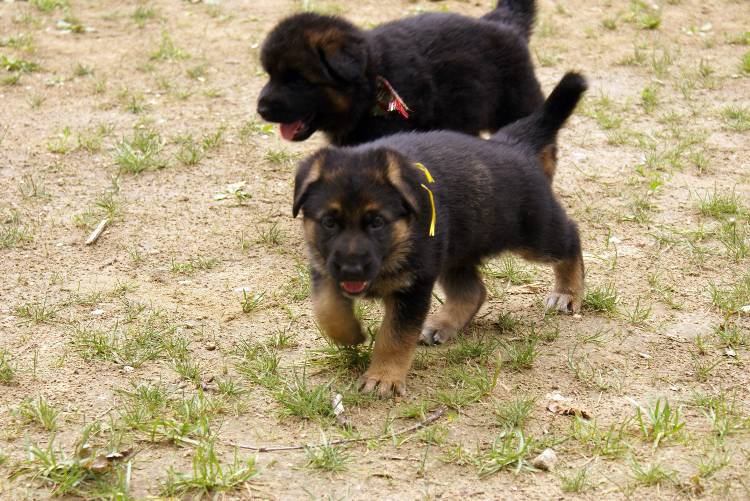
x: 520, y: 355
x: 745, y: 63
x: 650, y: 474
x: 659, y: 422
x: 143, y: 14
x: 508, y: 451
x: 190, y: 152
x: 132, y: 345
x: 467, y: 385
x: 39, y: 411
x: 515, y: 413
x: 78, y: 474
x: 37, y: 311
x: 608, y: 442
x: 209, y: 475
x: 575, y: 482
x: 327, y: 457
x: 736, y: 118
x: 12, y: 231
x: 49, y: 5
x: 251, y: 302
x: 601, y: 298
x: 140, y: 152
x: 730, y: 298
x: 260, y: 366
x: 302, y: 399
x: 16, y: 65
x: 167, y: 50
x: 721, y: 203
x: 7, y: 368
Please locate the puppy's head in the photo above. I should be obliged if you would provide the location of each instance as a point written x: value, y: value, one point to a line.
x: 316, y: 65
x: 358, y: 208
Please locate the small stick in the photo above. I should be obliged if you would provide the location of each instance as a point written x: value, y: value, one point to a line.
x: 431, y: 418
x: 97, y: 232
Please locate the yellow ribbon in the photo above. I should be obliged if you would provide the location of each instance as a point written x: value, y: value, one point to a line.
x: 432, y: 197
x: 426, y: 172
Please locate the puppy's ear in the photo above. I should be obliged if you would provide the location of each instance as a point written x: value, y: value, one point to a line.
x: 308, y: 173
x: 394, y: 164
x: 344, y: 56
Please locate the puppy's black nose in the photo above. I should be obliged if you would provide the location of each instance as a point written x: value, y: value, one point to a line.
x: 353, y: 270
x: 263, y: 107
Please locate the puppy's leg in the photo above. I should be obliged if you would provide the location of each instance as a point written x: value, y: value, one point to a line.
x: 334, y: 312
x: 396, y: 341
x: 465, y: 294
x: 568, y: 293
x: 560, y: 245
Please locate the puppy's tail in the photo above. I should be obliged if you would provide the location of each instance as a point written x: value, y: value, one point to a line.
x: 539, y: 130
x: 519, y: 14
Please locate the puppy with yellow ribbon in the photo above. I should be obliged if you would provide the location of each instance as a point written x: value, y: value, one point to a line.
x: 391, y: 218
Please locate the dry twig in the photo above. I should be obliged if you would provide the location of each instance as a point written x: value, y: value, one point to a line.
x: 431, y: 418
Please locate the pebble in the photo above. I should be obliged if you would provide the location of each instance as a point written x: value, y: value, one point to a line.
x: 545, y: 461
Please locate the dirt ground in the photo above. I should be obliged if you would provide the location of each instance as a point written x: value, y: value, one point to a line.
x: 187, y: 327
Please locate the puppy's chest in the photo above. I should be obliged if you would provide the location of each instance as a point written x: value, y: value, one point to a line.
x: 386, y: 285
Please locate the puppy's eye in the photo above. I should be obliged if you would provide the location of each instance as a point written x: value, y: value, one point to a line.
x: 329, y: 223
x: 376, y: 223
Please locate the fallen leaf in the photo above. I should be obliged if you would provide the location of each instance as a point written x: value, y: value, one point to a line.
x: 565, y: 410
x: 98, y: 465
x: 103, y: 462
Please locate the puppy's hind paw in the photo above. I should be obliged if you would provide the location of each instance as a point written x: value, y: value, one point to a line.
x: 433, y: 336
x: 564, y: 303
x: 385, y: 384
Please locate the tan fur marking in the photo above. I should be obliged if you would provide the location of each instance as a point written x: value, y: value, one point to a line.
x: 312, y: 176
x: 393, y: 173
x: 340, y: 102
x: 385, y: 285
x: 372, y: 207
x: 316, y: 258
x: 335, y: 314
x: 548, y: 157
x: 400, y: 248
x: 329, y: 39
x: 391, y: 357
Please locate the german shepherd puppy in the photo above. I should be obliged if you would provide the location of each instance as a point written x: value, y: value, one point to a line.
x: 390, y: 218
x: 427, y: 72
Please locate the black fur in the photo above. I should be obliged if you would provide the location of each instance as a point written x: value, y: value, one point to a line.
x: 454, y: 72
x: 519, y: 14
x: 490, y: 196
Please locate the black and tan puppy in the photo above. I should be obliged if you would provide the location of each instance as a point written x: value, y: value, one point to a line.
x: 391, y: 218
x: 427, y: 72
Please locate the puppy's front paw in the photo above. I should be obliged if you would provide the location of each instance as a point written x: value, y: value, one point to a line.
x: 387, y: 381
x: 565, y: 303
x: 435, y: 333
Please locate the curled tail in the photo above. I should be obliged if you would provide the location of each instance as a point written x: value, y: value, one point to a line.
x: 519, y: 14
x: 538, y: 131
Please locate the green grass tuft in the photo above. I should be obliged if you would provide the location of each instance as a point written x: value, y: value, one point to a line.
x: 209, y: 475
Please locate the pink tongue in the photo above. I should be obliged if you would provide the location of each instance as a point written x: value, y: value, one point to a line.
x: 353, y: 287
x: 288, y: 131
